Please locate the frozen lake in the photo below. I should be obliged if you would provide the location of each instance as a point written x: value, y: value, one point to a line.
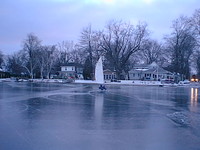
x: 42, y: 116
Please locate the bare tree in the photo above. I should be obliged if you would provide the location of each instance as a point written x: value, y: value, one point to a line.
x: 70, y: 52
x: 41, y: 60
x: 77, y: 55
x: 120, y: 41
x: 90, y: 44
x: 86, y: 42
x: 63, y: 54
x: 50, y: 59
x: 46, y: 60
x: 97, y: 45
x: 197, y: 58
x: 152, y: 51
x: 1, y: 58
x: 64, y: 49
x: 196, y: 24
x: 29, y: 53
x: 13, y: 64
x: 181, y: 44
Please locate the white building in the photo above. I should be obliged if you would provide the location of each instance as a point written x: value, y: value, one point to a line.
x: 73, y: 70
x: 109, y: 75
x: 150, y: 72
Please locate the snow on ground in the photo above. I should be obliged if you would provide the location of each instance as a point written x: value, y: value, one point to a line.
x: 108, y: 82
x: 47, y: 80
x: 122, y: 82
x: 137, y: 82
x: 86, y: 81
x: 6, y: 80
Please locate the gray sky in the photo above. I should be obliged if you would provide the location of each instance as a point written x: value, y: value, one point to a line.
x: 55, y: 21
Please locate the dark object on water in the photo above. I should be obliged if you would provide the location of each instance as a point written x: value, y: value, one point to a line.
x: 102, y: 87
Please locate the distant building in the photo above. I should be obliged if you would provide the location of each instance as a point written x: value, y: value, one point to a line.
x: 150, y: 72
x: 72, y: 70
x: 109, y: 75
x: 4, y: 74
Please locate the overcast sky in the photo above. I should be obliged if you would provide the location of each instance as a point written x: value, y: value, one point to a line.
x: 55, y: 21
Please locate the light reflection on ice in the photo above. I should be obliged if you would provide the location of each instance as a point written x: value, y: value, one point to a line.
x: 194, y: 96
x: 99, y: 100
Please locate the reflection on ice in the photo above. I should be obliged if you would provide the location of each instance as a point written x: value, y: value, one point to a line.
x: 194, y: 96
x: 98, y: 104
x: 99, y: 107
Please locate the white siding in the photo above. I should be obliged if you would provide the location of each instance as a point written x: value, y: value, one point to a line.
x: 67, y: 68
x: 63, y: 68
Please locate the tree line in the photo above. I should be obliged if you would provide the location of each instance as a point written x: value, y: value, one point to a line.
x: 122, y: 44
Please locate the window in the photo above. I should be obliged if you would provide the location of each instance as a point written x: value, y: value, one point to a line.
x: 133, y: 74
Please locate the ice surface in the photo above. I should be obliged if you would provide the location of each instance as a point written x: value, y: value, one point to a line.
x: 43, y: 116
x: 179, y: 118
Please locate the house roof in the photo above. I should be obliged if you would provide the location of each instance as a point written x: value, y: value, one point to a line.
x: 141, y: 66
x: 149, y: 68
x: 157, y: 70
x: 108, y: 71
x: 152, y: 65
x: 72, y: 64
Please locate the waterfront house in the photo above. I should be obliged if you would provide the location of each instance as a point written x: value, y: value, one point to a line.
x: 109, y: 75
x: 151, y: 72
x: 71, y: 70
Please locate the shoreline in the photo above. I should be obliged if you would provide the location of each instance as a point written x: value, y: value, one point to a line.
x: 120, y: 82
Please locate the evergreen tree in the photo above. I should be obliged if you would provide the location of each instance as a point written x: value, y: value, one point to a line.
x: 88, y: 69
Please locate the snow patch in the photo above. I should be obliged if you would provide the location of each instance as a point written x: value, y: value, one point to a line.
x: 179, y: 118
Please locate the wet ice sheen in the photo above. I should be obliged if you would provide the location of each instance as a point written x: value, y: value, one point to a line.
x: 77, y: 116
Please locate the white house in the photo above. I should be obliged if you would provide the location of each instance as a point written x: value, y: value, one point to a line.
x: 109, y: 75
x: 150, y: 72
x: 72, y: 70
